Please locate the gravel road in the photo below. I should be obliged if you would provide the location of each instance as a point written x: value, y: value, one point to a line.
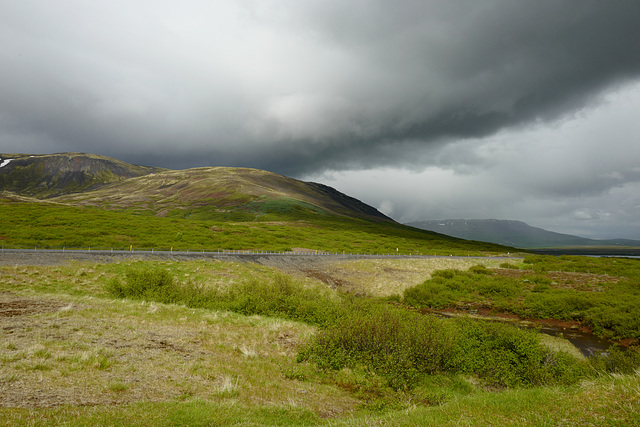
x: 45, y: 257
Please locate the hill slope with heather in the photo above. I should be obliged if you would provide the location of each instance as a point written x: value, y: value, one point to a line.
x: 213, y: 192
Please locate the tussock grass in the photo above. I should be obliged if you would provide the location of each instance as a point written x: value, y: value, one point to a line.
x: 120, y: 351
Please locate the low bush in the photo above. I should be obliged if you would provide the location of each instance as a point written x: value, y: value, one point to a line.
x: 504, y: 355
x: 615, y: 322
x: 616, y: 360
x: 151, y: 284
x: 280, y: 297
x: 452, y: 287
x: 395, y: 344
x: 557, y: 304
x: 430, y: 295
x: 403, y: 347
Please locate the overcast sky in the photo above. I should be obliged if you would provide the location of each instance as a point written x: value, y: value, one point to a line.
x: 425, y: 109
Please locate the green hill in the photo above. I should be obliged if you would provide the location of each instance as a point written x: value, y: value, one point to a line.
x: 217, y: 192
x: 199, y: 209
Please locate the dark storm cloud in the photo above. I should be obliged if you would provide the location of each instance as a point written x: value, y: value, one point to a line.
x: 464, y: 108
x: 452, y: 70
x: 300, y: 86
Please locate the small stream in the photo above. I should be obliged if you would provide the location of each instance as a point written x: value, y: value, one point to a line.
x: 588, y: 344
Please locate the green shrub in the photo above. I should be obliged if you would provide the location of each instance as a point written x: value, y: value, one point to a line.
x: 454, y: 287
x: 540, y: 287
x: 156, y: 284
x: 430, y: 295
x: 558, y: 304
x: 616, y: 360
x: 504, y: 355
x: 615, y: 321
x: 281, y: 297
x: 404, y: 347
x: 498, y: 288
x: 480, y: 269
x: 397, y: 345
x: 509, y: 265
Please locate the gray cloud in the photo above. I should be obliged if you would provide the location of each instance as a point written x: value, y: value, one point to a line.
x: 305, y: 88
x: 579, y: 176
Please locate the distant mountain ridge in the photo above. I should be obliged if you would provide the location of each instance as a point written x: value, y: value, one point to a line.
x: 513, y: 233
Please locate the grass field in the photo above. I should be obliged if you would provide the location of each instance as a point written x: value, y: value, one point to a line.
x: 73, y: 354
x: 39, y: 224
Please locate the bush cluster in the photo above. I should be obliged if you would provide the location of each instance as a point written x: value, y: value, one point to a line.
x: 404, y: 346
x: 448, y: 288
x: 398, y: 345
x: 280, y: 297
x: 616, y: 360
x: 608, y: 308
x: 154, y: 285
x: 504, y: 355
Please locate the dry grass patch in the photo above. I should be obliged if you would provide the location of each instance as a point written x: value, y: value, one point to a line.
x: 386, y: 277
x: 84, y: 278
x: 115, y: 352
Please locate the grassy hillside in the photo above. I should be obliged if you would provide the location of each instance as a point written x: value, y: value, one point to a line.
x: 217, y: 192
x: 94, y: 344
x: 29, y: 224
x: 213, y: 208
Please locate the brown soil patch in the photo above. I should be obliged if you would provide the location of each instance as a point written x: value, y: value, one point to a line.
x: 489, y: 314
x: 329, y: 280
x: 11, y: 305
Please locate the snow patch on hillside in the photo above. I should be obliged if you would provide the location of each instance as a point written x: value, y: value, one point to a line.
x: 5, y: 162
